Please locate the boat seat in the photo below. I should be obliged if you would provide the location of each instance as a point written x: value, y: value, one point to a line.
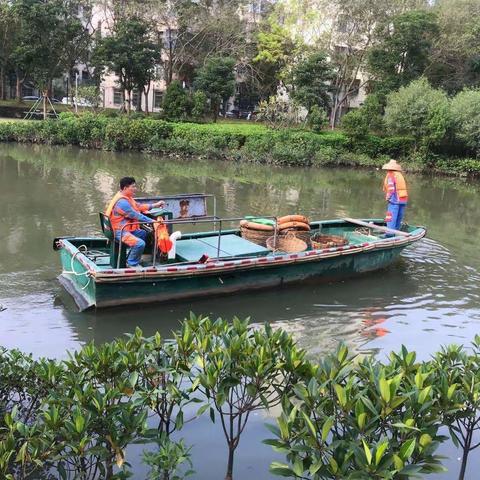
x: 114, y: 245
x: 191, y: 250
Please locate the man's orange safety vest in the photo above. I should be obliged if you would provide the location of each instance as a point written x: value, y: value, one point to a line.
x: 395, y: 182
x: 118, y: 221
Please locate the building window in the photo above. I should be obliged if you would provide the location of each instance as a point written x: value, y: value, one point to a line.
x: 157, y: 99
x: 117, y: 96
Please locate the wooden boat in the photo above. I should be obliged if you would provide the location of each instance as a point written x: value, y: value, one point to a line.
x: 235, y: 264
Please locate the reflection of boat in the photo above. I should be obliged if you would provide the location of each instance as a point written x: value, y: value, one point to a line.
x: 234, y: 263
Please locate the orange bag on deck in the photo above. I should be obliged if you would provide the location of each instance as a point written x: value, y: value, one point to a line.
x: 164, y: 244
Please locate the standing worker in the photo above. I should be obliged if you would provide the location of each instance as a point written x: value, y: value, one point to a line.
x: 123, y: 212
x: 396, y: 194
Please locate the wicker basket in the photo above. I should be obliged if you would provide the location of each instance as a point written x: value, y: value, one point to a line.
x: 301, y: 234
x: 255, y: 236
x: 327, y: 241
x: 288, y: 243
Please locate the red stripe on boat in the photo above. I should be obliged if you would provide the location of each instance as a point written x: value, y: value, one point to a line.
x: 211, y: 265
x: 262, y: 260
x: 246, y: 262
x: 228, y: 264
x: 172, y: 269
x: 293, y: 256
x: 192, y: 268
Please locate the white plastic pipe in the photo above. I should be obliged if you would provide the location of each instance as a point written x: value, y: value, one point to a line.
x: 174, y: 237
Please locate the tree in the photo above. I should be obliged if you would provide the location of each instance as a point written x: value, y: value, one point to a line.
x: 8, y: 39
x: 454, y: 59
x: 465, y: 111
x: 420, y: 111
x: 310, y: 80
x: 459, y: 390
x: 403, y: 51
x: 199, y: 105
x: 217, y: 80
x: 275, y: 55
x: 129, y: 53
x: 176, y: 102
x: 191, y: 31
x: 46, y: 32
x: 345, y: 30
x: 360, y: 420
x: 239, y: 370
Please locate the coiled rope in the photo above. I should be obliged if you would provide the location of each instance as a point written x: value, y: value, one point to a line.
x: 81, y: 249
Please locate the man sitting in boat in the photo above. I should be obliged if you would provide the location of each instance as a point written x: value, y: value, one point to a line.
x: 124, y: 212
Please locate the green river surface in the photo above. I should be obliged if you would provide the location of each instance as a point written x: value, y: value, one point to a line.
x: 429, y: 298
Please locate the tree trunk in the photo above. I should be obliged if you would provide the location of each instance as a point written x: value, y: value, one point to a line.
x: 146, y: 91
x: 45, y: 96
x: 138, y: 107
x: 231, y: 453
x: 2, y: 83
x: 109, y: 468
x: 18, y: 93
x: 466, y: 451
x: 129, y: 102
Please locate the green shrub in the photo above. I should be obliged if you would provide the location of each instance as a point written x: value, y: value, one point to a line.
x: 124, y: 133
x: 176, y: 102
x: 317, y: 119
x: 200, y: 107
x: 234, y: 141
x: 419, y: 111
x: 360, y: 420
x: 373, y: 110
x: 354, y: 125
x: 465, y: 110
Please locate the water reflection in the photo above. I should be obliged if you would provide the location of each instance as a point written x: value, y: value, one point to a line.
x: 428, y: 298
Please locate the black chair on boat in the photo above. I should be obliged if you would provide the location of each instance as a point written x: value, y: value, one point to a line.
x: 114, y: 245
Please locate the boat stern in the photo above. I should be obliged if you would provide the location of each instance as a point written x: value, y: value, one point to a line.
x: 77, y: 275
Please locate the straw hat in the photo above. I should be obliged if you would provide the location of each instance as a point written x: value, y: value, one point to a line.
x: 392, y: 165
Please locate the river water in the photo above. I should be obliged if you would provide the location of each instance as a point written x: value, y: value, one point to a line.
x: 429, y: 298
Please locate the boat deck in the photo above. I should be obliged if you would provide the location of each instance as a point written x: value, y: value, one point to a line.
x: 230, y: 246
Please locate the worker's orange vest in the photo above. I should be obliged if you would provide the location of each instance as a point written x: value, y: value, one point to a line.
x: 118, y: 221
x: 400, y: 185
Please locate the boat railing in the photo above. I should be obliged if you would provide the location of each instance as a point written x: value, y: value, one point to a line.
x: 214, y: 220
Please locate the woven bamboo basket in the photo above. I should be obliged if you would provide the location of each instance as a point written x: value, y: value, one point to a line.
x: 327, y: 241
x: 287, y: 243
x: 256, y: 236
x: 302, y: 235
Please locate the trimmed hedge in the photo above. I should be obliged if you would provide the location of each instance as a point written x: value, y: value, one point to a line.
x: 245, y: 142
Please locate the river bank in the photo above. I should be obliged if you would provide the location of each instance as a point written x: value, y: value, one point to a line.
x: 236, y: 142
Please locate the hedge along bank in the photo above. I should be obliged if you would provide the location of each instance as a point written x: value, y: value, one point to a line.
x: 235, y: 142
